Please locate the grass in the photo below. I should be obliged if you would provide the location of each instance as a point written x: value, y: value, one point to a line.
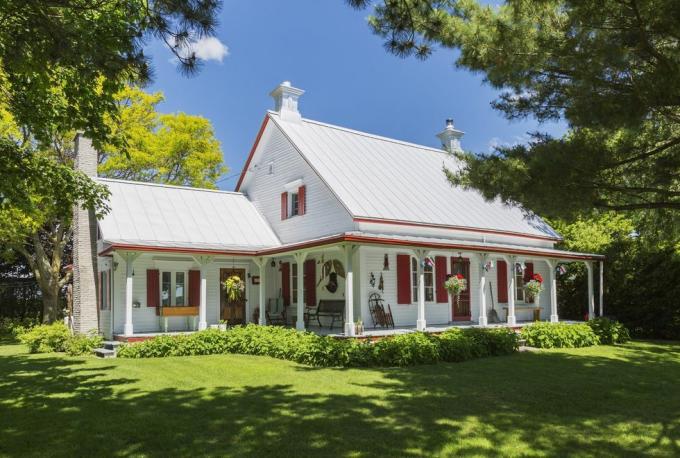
x: 599, y: 401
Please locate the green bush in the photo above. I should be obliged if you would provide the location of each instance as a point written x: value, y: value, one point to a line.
x: 82, y: 345
x: 16, y: 326
x: 46, y: 338
x: 609, y: 331
x: 559, y: 335
x: 323, y: 351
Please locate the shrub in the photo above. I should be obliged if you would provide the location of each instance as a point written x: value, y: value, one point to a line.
x: 16, y: 326
x: 559, y: 335
x: 609, y: 331
x: 82, y: 345
x: 46, y: 338
x: 324, y: 351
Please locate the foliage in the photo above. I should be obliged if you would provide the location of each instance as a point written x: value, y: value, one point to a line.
x: 534, y: 286
x: 16, y: 326
x: 609, y: 332
x: 80, y: 344
x: 324, y: 351
x: 61, y: 63
x: 559, y: 335
x: 234, y: 287
x: 455, y: 284
x: 611, y: 69
x: 46, y: 338
x: 177, y: 148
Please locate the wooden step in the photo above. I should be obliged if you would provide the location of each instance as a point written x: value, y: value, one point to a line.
x: 112, y: 344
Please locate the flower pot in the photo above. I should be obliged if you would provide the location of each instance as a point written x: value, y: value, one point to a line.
x: 358, y: 329
x: 222, y: 326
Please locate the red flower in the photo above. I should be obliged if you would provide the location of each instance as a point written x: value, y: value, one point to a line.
x: 538, y: 278
x: 459, y: 276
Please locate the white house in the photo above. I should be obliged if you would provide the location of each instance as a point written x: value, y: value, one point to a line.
x: 321, y: 214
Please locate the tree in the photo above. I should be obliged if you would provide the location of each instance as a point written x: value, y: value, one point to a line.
x: 610, y: 68
x: 175, y: 148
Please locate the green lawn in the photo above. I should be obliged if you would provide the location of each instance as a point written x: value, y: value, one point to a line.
x: 600, y: 401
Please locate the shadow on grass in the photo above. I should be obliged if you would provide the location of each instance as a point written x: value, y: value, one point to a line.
x: 549, y: 403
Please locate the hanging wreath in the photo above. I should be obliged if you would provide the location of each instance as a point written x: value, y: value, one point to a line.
x: 235, y: 288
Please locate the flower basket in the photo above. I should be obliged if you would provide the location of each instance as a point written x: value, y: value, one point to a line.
x: 534, y: 287
x: 455, y: 285
x: 235, y: 288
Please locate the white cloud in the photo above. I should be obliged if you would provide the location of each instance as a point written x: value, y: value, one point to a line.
x: 207, y: 48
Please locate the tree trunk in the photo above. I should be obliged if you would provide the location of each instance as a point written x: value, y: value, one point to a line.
x: 50, y: 305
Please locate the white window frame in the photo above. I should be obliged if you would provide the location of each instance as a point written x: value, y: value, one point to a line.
x: 414, y: 280
x: 520, y: 294
x: 294, y: 283
x: 293, y: 207
x: 429, y: 289
x: 105, y: 293
x: 173, y: 287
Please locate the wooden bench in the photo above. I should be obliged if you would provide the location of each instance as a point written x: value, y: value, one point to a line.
x: 328, y: 307
x: 536, y: 310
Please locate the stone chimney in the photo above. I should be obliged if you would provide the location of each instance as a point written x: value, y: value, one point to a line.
x: 286, y: 101
x: 85, y: 285
x: 450, y: 138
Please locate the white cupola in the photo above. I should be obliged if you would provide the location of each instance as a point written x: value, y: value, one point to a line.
x: 286, y: 101
x: 450, y: 137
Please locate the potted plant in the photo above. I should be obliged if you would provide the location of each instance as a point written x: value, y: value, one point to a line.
x: 455, y: 285
x: 223, y: 325
x: 235, y: 287
x: 534, y: 287
x: 359, y: 327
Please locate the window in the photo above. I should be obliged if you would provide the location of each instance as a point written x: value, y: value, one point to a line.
x: 414, y: 279
x: 270, y: 167
x: 519, y: 285
x: 105, y: 290
x: 173, y: 289
x: 293, y: 278
x: 294, y: 204
x: 429, y: 282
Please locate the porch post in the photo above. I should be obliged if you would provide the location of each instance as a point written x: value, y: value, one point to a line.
x: 127, y: 327
x: 203, y: 262
x: 553, y: 290
x: 483, y: 319
x: 601, y: 288
x: 349, y: 289
x: 262, y: 264
x: 300, y: 260
x: 591, y: 291
x: 510, y: 262
x: 421, y: 323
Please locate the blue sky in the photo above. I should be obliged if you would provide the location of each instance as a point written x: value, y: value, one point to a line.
x: 327, y: 49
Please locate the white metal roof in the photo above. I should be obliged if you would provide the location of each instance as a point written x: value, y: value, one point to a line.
x: 381, y: 178
x: 156, y: 215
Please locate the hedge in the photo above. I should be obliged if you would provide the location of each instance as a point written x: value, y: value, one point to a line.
x: 609, y: 331
x: 48, y: 338
x: 559, y: 335
x: 409, y: 349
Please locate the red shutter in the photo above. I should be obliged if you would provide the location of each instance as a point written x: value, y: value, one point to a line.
x: 528, y: 272
x: 502, y: 278
x: 194, y: 288
x: 284, y: 205
x: 153, y: 294
x: 285, y: 283
x: 302, y: 200
x: 440, y: 278
x: 310, y: 282
x: 403, y: 279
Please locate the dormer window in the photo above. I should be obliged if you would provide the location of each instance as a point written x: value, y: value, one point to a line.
x: 294, y: 203
x: 293, y: 200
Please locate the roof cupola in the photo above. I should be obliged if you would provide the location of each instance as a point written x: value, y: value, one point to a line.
x: 450, y: 137
x: 286, y: 101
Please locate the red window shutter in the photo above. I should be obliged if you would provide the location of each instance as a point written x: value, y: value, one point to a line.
x: 153, y: 293
x: 502, y: 280
x: 440, y: 278
x: 403, y: 279
x: 310, y: 282
x: 285, y: 283
x: 194, y: 288
x: 302, y: 200
x: 528, y: 271
x: 284, y: 205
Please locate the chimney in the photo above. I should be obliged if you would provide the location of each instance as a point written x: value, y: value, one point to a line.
x: 286, y: 101
x: 450, y: 138
x: 85, y: 293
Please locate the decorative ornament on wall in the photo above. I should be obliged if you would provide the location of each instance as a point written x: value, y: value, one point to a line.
x: 488, y: 265
x: 330, y: 270
x: 427, y: 262
x: 371, y: 280
x: 381, y: 283
x: 520, y: 267
x: 561, y: 270
x: 386, y: 262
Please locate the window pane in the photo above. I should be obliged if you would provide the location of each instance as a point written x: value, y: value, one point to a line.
x: 293, y: 204
x: 166, y: 286
x: 429, y: 283
x: 519, y: 286
x: 179, y: 288
x: 414, y: 280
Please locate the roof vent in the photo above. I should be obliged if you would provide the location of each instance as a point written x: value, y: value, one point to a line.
x: 450, y: 137
x: 286, y: 101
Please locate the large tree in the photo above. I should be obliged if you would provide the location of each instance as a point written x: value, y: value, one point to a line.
x: 609, y: 68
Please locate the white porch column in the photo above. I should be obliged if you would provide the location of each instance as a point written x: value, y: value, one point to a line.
x: 601, y: 288
x: 203, y: 262
x: 421, y: 323
x: 349, y: 289
x: 591, y: 290
x: 552, y: 265
x: 483, y: 320
x: 300, y: 260
x: 510, y: 263
x: 129, y: 260
x: 262, y: 264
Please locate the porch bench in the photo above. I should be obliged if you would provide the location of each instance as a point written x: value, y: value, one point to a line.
x: 330, y: 308
x: 536, y: 310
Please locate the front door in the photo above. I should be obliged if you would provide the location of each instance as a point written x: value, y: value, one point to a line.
x: 234, y: 312
x: 461, y: 305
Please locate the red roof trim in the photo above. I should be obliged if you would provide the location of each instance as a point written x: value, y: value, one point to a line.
x: 458, y: 228
x: 252, y: 152
x: 356, y: 239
